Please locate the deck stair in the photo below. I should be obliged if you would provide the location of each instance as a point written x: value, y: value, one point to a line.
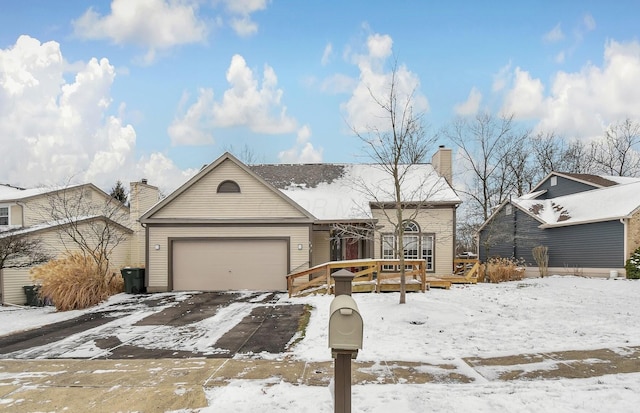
x: 371, y: 275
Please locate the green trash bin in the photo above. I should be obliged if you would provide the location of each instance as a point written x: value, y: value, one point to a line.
x: 133, y: 280
x: 33, y: 296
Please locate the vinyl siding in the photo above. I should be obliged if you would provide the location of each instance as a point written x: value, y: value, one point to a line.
x: 15, y: 279
x: 595, y: 245
x: 142, y: 197
x: 321, y: 245
x: 564, y: 187
x: 509, y: 240
x: 439, y: 221
x: 36, y: 210
x: 15, y: 214
x: 201, y: 200
x: 158, y: 270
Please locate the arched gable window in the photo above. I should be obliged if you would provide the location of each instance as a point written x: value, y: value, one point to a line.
x: 228, y: 187
x: 411, y: 226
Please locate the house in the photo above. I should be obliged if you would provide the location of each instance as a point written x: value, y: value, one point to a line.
x: 589, y: 223
x: 234, y: 226
x: 32, y: 213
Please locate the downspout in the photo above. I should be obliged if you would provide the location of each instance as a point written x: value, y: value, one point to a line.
x: 625, y: 231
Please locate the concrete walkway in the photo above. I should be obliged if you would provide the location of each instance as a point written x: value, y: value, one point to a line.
x: 174, y: 384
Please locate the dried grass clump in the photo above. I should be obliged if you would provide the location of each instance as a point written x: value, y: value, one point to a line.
x: 75, y: 282
x: 504, y: 269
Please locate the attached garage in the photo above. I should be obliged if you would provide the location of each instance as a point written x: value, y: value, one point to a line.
x: 213, y: 264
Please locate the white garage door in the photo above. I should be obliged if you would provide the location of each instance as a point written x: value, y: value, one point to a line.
x: 213, y: 265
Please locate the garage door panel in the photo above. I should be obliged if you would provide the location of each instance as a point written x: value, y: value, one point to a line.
x: 211, y: 265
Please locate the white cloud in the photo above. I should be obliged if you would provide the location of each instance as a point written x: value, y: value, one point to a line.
x: 247, y: 103
x: 244, y: 26
x: 583, y: 103
x: 502, y: 78
x: 339, y: 83
x: 326, y: 55
x: 471, y: 105
x: 151, y: 24
x: 361, y: 110
x: 192, y: 128
x: 162, y: 172
x: 241, y: 11
x: 303, y: 151
x: 52, y: 130
x: 525, y: 98
x: 554, y: 35
x: 589, y: 22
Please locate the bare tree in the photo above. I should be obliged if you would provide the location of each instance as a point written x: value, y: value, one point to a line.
x: 487, y: 146
x: 18, y: 250
x: 396, y: 148
x: 87, y: 220
x: 246, y: 154
x: 617, y: 153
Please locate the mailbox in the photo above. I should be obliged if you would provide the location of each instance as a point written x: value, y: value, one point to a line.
x: 345, y: 324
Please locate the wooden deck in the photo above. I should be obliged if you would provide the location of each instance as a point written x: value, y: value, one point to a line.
x: 371, y: 275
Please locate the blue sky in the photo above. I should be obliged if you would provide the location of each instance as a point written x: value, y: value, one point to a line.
x: 104, y: 90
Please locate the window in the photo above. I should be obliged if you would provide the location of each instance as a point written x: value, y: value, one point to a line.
x: 507, y: 209
x: 554, y: 181
x: 388, y: 250
x: 228, y: 187
x: 427, y: 251
x: 4, y: 215
x: 416, y: 246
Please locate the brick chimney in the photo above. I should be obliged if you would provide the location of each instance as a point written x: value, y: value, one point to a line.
x: 442, y: 163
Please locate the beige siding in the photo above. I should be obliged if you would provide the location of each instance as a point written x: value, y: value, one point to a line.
x: 16, y: 215
x: 142, y: 198
x: 201, y: 200
x: 442, y: 163
x: 633, y: 234
x: 38, y: 209
x: 15, y: 279
x: 439, y: 221
x: 158, y: 271
x: 321, y: 245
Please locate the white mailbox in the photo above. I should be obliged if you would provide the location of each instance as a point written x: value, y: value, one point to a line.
x: 345, y: 324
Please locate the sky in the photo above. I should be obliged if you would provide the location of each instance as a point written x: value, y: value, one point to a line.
x: 541, y: 316
x: 99, y: 91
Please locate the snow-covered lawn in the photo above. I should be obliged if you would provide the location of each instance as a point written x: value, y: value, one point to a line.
x: 484, y: 320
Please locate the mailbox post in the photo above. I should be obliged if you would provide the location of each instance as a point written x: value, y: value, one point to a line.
x: 345, y: 338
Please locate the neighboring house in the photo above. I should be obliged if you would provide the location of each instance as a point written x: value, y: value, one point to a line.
x: 28, y: 212
x: 590, y: 224
x: 234, y: 226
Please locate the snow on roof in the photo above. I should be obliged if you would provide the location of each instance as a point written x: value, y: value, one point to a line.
x: 343, y: 192
x: 603, y: 204
x: 12, y: 193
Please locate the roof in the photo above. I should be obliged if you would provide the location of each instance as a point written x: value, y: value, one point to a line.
x: 9, y: 193
x: 603, y: 204
x: 55, y: 224
x: 344, y: 191
x: 600, y: 181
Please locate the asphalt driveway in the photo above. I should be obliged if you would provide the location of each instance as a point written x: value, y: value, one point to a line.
x: 181, y: 325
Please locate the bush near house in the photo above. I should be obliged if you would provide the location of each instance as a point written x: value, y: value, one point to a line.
x: 74, y: 282
x: 633, y: 265
x: 500, y: 269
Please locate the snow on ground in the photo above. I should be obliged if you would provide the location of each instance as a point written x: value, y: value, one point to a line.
x: 487, y: 320
x: 483, y: 320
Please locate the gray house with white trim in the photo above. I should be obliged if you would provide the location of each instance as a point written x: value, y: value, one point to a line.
x: 589, y: 223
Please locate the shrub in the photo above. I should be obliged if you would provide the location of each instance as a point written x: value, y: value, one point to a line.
x: 504, y: 269
x: 75, y: 282
x: 633, y: 265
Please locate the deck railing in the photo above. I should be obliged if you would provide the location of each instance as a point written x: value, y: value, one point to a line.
x: 365, y: 270
x: 467, y: 268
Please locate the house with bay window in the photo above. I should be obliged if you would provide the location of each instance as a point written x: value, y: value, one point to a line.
x: 238, y: 226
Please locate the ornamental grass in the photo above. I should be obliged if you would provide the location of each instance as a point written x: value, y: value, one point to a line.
x: 75, y: 282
